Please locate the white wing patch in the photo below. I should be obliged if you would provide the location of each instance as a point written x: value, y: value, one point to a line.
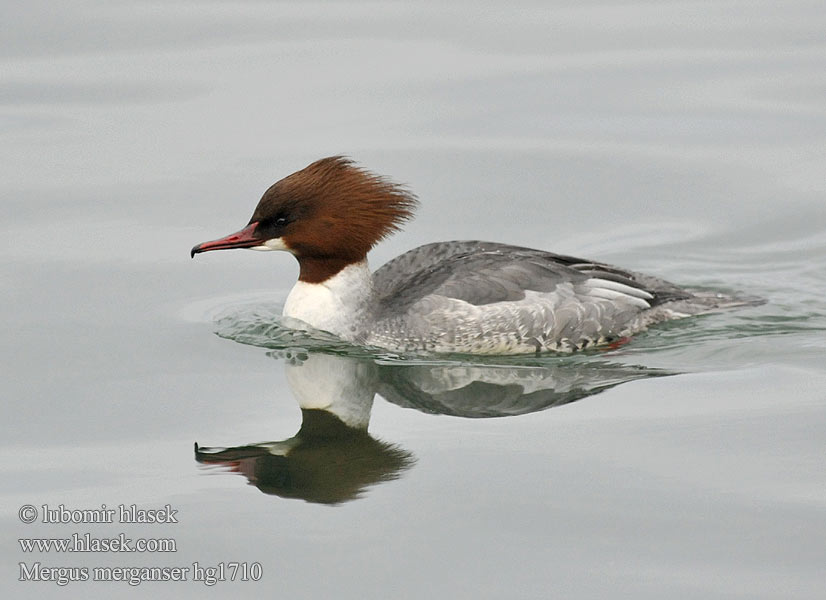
x: 614, y: 290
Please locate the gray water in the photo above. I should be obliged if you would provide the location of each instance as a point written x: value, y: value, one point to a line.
x: 687, y: 140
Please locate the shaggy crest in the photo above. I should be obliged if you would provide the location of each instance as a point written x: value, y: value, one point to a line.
x: 334, y: 208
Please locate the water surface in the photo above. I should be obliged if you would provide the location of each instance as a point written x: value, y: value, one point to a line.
x: 682, y: 139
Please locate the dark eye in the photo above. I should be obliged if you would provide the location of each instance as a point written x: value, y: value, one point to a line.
x: 271, y: 222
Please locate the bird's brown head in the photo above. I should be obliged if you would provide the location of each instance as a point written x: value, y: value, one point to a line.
x: 329, y: 215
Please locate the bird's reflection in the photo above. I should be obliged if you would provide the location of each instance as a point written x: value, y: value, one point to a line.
x: 333, y: 459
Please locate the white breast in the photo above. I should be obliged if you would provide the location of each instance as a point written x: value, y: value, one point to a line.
x: 338, y: 305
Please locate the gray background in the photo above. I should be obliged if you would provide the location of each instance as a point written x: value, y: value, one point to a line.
x: 687, y: 139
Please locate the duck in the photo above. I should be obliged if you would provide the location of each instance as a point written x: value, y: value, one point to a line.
x: 464, y: 296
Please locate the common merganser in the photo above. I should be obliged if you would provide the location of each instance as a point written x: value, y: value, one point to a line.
x: 460, y: 296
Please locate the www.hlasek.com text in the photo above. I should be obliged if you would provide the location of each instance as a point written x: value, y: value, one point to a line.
x: 85, y: 542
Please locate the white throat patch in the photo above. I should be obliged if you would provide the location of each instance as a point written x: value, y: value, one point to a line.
x: 338, y: 305
x: 273, y: 244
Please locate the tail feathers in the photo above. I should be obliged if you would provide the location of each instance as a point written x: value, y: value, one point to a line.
x: 700, y: 303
